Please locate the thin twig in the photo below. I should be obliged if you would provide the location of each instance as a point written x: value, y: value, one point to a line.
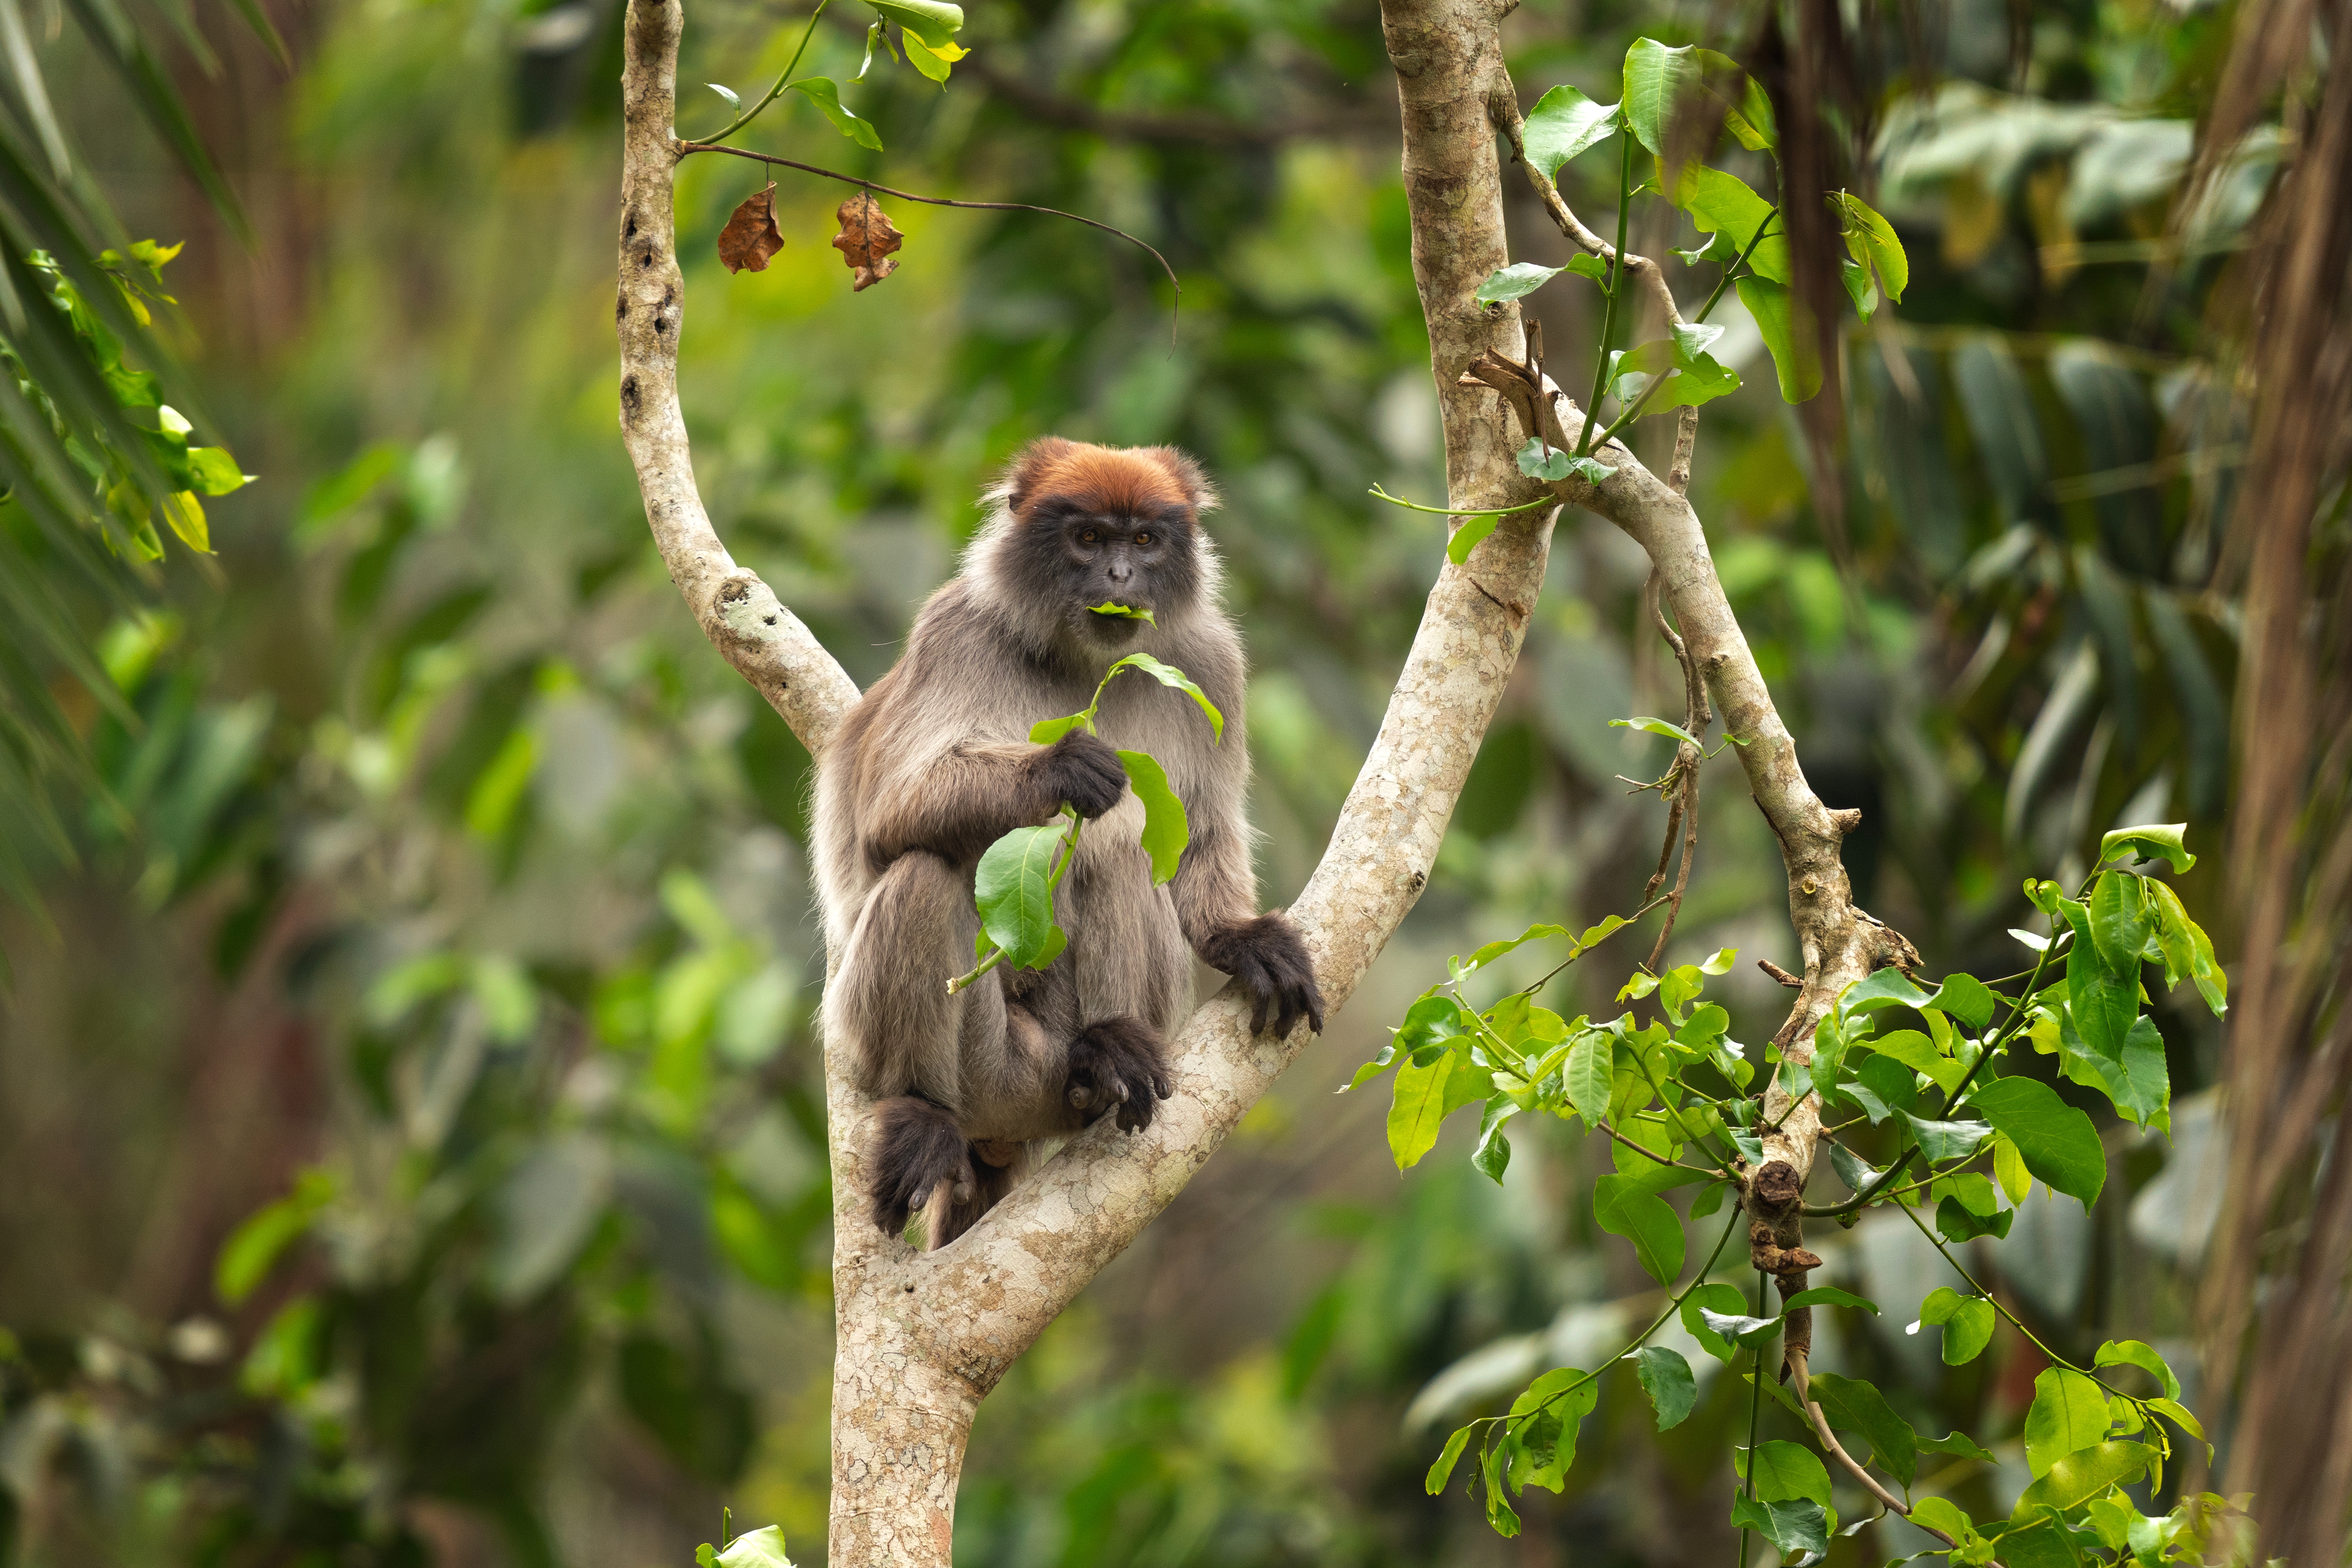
x: 1796, y: 1360
x: 687, y: 148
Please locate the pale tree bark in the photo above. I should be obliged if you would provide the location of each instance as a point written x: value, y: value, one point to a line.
x: 921, y: 1338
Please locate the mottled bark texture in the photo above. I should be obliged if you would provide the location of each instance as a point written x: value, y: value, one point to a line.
x: 922, y: 1337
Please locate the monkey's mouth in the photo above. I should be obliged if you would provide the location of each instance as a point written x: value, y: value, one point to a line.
x: 1116, y: 622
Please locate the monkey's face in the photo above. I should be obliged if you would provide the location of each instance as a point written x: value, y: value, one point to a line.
x: 1140, y: 557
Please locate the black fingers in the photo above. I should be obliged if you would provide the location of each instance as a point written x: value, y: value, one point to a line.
x: 1118, y: 1066
x: 917, y: 1146
x: 1084, y: 770
x: 1267, y: 958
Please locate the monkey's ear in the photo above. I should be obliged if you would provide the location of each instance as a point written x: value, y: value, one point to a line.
x: 1188, y: 474
x: 1029, y: 468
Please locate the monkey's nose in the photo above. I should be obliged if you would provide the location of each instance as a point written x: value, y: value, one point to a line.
x: 1121, y: 573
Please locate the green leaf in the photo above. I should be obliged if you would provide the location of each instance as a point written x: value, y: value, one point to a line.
x: 1551, y: 1442
x: 1788, y: 331
x: 2069, y: 1412
x: 1563, y: 124
x: 1666, y: 1379
x: 1918, y: 1052
x: 1943, y: 1514
x: 2044, y: 1543
x: 1857, y: 1176
x: 2010, y: 1171
x: 1419, y: 1108
x: 1880, y: 989
x: 1465, y: 538
x: 821, y: 91
x: 1827, y: 1296
x: 1495, y: 950
x: 1365, y: 1074
x: 2135, y: 1352
x: 1719, y: 248
x: 1796, y: 1529
x: 1514, y: 281
x: 1721, y: 1301
x: 2056, y: 1141
x: 934, y: 21
x: 1015, y: 893
x: 1166, y: 828
x: 1590, y: 1069
x: 1657, y: 727
x: 1045, y: 731
x: 1622, y: 1208
x: 2173, y: 920
x: 1967, y: 1319
x: 2120, y: 925
x: 734, y: 101
x: 1590, y: 267
x: 1854, y: 1405
x: 1591, y: 470
x: 1723, y: 205
x: 254, y: 1246
x: 2158, y: 841
x: 933, y: 62
x: 1431, y: 1022
x: 1956, y: 1221
x: 1787, y: 1472
x: 761, y: 1547
x: 1169, y: 676
x: 1500, y: 1517
x: 2179, y: 1413
x: 2138, y: 1082
x: 1539, y: 460
x: 214, y: 470
x: 1967, y: 998
x: 1492, y: 1155
x: 2103, y: 1003
x: 2079, y: 1477
x: 1109, y: 607
x: 1451, y: 1454
x: 705, y: 1556
x: 1883, y: 1087
x: 1943, y: 1141
x: 1656, y: 77
x: 1961, y: 1445
x: 1872, y: 240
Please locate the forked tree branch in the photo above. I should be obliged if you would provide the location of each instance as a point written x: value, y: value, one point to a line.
x: 922, y: 1337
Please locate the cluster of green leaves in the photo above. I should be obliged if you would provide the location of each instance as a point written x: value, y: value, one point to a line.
x: 1666, y: 91
x: 925, y: 40
x: 1018, y: 874
x: 1672, y: 1094
x: 761, y: 1548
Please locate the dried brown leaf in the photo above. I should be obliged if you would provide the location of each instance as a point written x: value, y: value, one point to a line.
x: 867, y: 237
x: 751, y: 235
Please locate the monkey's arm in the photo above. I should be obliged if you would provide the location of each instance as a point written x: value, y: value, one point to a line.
x: 959, y: 801
x: 1216, y: 902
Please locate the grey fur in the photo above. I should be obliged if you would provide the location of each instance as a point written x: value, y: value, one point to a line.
x: 933, y: 764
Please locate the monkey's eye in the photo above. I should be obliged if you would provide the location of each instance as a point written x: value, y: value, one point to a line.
x: 1143, y: 539
x: 1087, y: 537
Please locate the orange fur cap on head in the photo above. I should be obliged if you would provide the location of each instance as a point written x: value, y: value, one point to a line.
x: 1135, y: 480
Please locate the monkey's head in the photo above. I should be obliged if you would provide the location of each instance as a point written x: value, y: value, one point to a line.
x: 1080, y: 526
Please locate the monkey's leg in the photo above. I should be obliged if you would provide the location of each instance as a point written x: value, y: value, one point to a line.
x: 919, y: 1158
x: 889, y: 1005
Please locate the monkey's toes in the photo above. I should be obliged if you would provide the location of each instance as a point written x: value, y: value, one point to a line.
x: 1116, y: 1066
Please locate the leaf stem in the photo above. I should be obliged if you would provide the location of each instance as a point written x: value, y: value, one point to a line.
x: 1755, y: 1416
x: 1380, y: 494
x: 782, y: 82
x: 1616, y: 287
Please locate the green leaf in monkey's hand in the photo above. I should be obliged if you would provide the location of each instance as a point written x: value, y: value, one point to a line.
x: 1166, y: 828
x: 1168, y: 675
x: 1015, y: 894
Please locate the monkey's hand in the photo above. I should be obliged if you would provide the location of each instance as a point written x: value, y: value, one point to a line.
x: 1118, y: 1065
x: 1266, y: 957
x: 916, y: 1146
x: 1082, y: 770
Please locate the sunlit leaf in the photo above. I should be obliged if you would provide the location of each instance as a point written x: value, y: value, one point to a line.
x: 1166, y: 828
x: 1564, y: 123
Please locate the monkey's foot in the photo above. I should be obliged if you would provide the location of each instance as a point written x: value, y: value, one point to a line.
x: 917, y: 1146
x: 1265, y: 956
x: 1118, y: 1065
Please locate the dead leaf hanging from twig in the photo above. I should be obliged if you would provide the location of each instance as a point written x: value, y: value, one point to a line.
x: 750, y: 235
x: 867, y: 237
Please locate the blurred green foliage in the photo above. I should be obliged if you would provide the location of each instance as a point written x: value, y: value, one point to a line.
x: 415, y: 1115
